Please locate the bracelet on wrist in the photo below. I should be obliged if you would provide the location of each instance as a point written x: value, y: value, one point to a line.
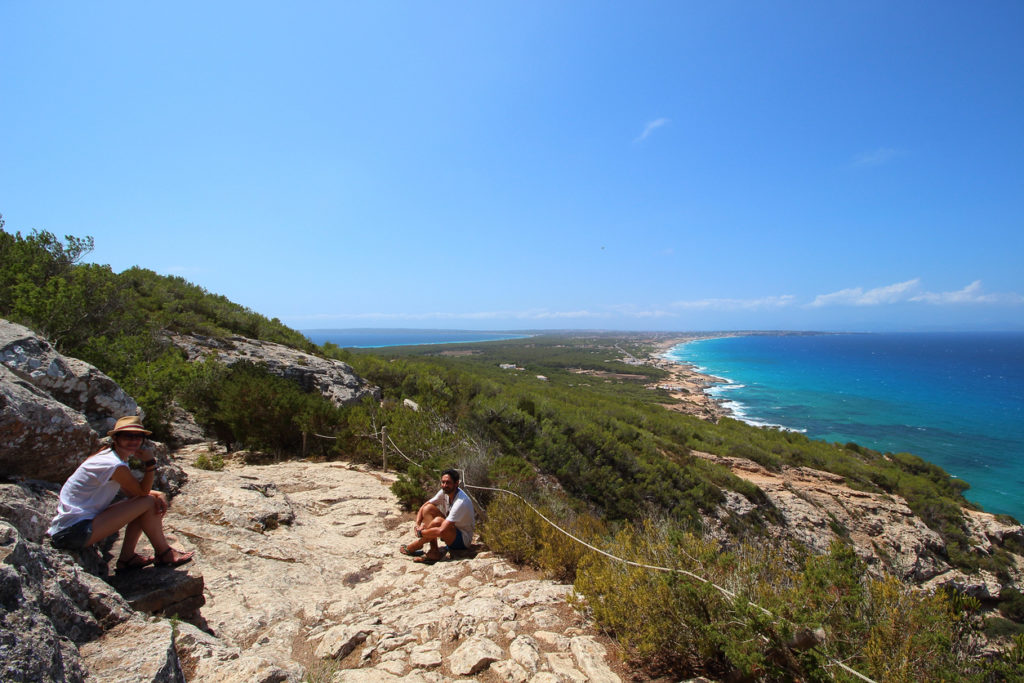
x: 150, y: 466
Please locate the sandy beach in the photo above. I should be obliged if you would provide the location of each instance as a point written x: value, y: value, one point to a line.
x: 685, y: 383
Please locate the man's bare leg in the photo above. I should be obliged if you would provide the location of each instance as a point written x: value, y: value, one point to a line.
x: 430, y: 533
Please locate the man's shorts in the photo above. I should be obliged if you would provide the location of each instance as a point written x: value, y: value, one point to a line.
x: 74, y: 537
x: 460, y: 541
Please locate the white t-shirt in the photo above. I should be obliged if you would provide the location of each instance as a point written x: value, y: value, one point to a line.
x: 89, y: 491
x: 460, y: 512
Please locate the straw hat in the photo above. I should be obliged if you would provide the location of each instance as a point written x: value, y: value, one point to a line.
x: 129, y: 423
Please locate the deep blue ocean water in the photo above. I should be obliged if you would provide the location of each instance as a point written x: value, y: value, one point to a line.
x: 364, y: 338
x: 955, y: 399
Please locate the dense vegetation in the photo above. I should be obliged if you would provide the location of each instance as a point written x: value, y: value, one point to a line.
x: 590, y: 444
x: 118, y: 321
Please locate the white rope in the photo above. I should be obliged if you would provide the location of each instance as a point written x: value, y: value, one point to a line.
x: 724, y: 591
x: 464, y: 485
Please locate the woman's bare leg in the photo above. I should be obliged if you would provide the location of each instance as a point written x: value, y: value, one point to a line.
x: 139, y: 516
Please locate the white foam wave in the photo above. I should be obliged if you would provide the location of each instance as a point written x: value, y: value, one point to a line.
x: 739, y: 411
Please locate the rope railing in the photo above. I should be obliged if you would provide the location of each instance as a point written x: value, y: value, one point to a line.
x: 674, y: 570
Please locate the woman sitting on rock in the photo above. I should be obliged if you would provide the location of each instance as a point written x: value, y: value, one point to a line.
x: 85, y: 515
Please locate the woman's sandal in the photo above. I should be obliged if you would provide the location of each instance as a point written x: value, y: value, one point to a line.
x: 136, y: 561
x: 173, y: 558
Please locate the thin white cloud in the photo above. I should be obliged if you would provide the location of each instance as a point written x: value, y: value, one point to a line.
x: 632, y: 311
x: 857, y: 296
x: 911, y: 292
x: 876, y: 157
x: 737, y: 304
x: 971, y: 294
x: 650, y: 128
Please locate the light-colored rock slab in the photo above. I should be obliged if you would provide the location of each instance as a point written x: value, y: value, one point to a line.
x: 509, y: 671
x: 563, y: 666
x: 525, y: 652
x: 135, y: 650
x: 590, y: 657
x: 339, y: 641
x: 552, y: 641
x: 425, y: 656
x: 473, y: 656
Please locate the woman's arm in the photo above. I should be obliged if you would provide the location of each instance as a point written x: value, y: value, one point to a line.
x: 134, y: 489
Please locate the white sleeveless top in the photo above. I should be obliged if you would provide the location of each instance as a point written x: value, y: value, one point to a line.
x: 89, y: 491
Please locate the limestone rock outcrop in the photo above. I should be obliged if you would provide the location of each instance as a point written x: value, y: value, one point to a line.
x: 53, y: 409
x: 333, y: 379
x: 817, y: 507
x: 49, y: 607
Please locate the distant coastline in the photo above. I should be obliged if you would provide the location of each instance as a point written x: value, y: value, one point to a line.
x: 694, y: 387
x: 952, y: 398
x: 377, y: 338
x: 685, y: 382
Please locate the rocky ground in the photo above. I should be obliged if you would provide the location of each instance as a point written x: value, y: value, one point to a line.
x: 303, y: 579
x: 816, y: 507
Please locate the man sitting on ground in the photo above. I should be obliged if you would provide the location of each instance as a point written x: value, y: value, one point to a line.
x: 448, y: 516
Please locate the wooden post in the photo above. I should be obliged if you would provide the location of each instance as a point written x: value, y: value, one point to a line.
x: 303, y: 445
x: 383, y: 448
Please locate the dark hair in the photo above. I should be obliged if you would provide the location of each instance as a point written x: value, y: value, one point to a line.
x: 454, y: 474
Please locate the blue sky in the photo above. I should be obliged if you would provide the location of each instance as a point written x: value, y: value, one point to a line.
x: 531, y: 165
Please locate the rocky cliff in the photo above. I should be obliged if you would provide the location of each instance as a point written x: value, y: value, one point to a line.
x: 818, y: 507
x: 333, y: 379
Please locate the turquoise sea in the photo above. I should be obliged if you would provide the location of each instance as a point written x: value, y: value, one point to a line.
x: 367, y: 338
x: 955, y: 399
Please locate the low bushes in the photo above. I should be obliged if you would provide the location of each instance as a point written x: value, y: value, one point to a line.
x: 676, y: 625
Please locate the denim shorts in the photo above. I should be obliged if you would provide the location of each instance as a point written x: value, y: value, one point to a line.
x: 74, y: 537
x: 460, y: 541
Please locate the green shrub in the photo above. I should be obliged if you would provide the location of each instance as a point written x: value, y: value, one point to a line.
x: 409, y: 489
x: 998, y: 627
x: 1011, y: 604
x: 511, y: 528
x: 212, y: 461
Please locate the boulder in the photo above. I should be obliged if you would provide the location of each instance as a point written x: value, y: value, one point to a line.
x: 525, y: 652
x: 473, y: 656
x: 29, y: 506
x: 333, y: 379
x: 339, y: 641
x: 40, y: 437
x: 563, y: 666
x: 72, y: 382
x: 54, y: 411
x: 983, y: 585
x: 48, y: 607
